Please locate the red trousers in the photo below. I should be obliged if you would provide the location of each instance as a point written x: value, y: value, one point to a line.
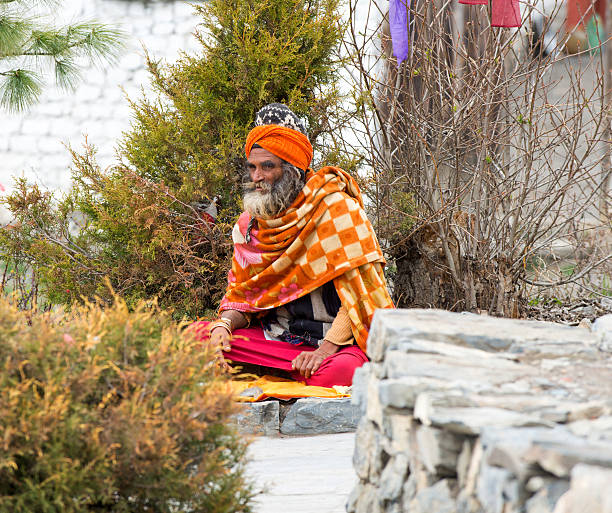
x: 249, y: 345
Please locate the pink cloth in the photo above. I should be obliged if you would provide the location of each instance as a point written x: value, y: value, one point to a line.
x: 505, y: 13
x: 249, y: 345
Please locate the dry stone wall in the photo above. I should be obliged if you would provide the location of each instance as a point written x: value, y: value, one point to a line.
x: 33, y: 144
x: 472, y: 414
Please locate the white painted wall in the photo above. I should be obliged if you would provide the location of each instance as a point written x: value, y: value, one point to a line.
x: 32, y: 144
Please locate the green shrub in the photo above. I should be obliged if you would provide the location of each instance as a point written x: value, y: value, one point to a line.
x: 105, y: 409
x: 139, y: 222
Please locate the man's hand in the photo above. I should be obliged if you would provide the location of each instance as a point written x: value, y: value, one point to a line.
x: 308, y: 362
x: 220, y: 337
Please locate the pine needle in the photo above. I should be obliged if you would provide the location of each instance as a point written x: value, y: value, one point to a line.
x: 67, y: 73
x: 19, y: 89
x: 13, y: 32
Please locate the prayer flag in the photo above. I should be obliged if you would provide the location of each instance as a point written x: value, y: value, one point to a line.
x: 398, y: 23
x: 505, y: 13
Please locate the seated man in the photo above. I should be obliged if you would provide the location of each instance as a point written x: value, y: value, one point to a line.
x: 307, y: 273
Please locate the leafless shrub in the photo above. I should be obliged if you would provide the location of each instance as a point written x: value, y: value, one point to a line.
x: 481, y: 153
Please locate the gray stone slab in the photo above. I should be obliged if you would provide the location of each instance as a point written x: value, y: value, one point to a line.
x: 546, y: 496
x: 471, y: 421
x: 393, y: 477
x: 509, y: 447
x: 595, y: 429
x: 438, y: 450
x: 602, y: 327
x: 590, y: 491
x: 368, y: 453
x: 545, y: 407
x: 496, y: 488
x: 470, y: 374
x: 359, y: 391
x: 311, y: 416
x: 559, y: 458
x: 391, y: 328
x: 260, y: 418
x: 403, y: 392
x: 437, y: 498
x: 447, y: 348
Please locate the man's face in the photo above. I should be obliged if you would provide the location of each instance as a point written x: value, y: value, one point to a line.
x: 274, y: 184
x: 264, y: 168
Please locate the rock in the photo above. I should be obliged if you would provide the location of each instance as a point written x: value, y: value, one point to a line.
x: 251, y: 392
x: 374, y: 409
x: 463, y: 462
x: 510, y: 448
x: 365, y: 501
x: 359, y: 393
x: 368, y: 458
x: 437, y: 498
x: 391, y: 328
x: 507, y: 452
x: 590, y: 491
x: 312, y: 416
x: 602, y: 327
x: 559, y: 458
x: 397, y: 429
x: 425, y: 346
x: 402, y: 392
x: 393, y: 477
x: 471, y: 478
x: 473, y: 375
x: 594, y: 429
x: 259, y: 418
x: 497, y: 489
x: 546, y: 495
x: 439, y: 450
x: 471, y: 421
x: 473, y: 414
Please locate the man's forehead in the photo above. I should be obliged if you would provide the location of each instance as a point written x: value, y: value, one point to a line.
x: 261, y: 155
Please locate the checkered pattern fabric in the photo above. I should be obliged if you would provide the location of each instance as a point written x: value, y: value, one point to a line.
x: 325, y: 235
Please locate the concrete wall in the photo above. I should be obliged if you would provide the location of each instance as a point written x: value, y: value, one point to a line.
x: 32, y: 144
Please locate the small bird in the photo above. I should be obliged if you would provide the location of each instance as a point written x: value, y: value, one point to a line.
x: 207, y: 210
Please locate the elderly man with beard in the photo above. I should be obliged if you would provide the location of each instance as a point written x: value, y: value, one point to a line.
x: 307, y: 274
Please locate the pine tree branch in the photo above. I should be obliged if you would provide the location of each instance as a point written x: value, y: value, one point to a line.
x: 20, y: 38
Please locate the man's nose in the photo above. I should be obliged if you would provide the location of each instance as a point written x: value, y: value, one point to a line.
x: 257, y: 175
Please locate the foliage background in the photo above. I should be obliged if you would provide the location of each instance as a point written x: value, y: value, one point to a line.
x: 110, y: 410
x: 141, y: 222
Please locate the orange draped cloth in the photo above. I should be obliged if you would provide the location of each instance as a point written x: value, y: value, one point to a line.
x: 324, y: 235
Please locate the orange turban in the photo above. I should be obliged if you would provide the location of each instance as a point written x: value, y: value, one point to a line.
x: 285, y: 143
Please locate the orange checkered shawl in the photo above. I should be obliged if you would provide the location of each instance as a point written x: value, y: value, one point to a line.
x: 324, y: 235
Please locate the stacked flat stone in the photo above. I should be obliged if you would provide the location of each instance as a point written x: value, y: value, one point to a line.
x: 473, y: 414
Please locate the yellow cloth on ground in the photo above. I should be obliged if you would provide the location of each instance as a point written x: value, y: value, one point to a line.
x: 281, y: 388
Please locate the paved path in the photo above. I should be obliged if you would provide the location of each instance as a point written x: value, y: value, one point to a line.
x: 303, y: 474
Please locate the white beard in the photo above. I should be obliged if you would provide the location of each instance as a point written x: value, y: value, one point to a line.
x: 272, y: 199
